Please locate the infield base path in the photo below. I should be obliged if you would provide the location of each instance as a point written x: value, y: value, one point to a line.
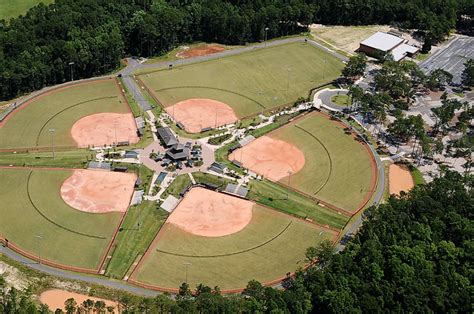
x: 211, y: 214
x: 105, y: 129
x: 270, y: 157
x: 96, y: 191
x: 200, y: 113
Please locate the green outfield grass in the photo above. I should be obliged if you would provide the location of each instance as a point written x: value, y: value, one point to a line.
x: 138, y: 230
x: 29, y: 126
x: 68, y: 236
x: 337, y: 168
x: 269, y: 247
x: 249, y: 82
x: 13, y: 8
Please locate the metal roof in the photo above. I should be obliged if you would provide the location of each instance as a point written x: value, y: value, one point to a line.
x: 401, y: 51
x: 382, y: 41
x: 167, y: 136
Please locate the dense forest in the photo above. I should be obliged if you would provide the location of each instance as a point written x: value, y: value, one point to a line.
x: 413, y: 254
x: 83, y: 38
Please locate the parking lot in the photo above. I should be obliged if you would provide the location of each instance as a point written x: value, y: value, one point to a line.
x: 451, y: 58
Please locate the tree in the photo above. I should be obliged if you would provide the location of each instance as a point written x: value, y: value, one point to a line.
x: 99, y: 307
x: 438, y: 79
x: 70, y: 306
x: 445, y: 113
x: 355, y: 67
x: 88, y: 305
x: 468, y: 73
x: 321, y: 254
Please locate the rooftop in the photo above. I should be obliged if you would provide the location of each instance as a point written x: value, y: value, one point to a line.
x: 382, y: 41
x: 401, y: 51
x: 167, y: 136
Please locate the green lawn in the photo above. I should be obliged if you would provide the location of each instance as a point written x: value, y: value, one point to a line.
x: 269, y: 247
x: 63, y: 159
x: 341, y: 100
x: 138, y: 230
x: 13, y: 8
x: 69, y: 236
x: 274, y: 195
x: 59, y: 110
x: 249, y: 82
x: 337, y: 168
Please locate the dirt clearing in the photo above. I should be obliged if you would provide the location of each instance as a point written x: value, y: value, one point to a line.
x: 55, y: 299
x: 198, y: 51
x: 198, y: 113
x: 210, y: 214
x: 399, y: 179
x: 105, y: 129
x: 270, y: 157
x: 96, y: 191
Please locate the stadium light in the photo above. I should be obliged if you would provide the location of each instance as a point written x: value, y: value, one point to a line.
x: 71, y: 65
x: 39, y: 247
x: 266, y: 32
x: 186, y: 265
x: 288, y: 188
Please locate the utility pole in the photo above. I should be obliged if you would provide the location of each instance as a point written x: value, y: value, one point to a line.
x: 288, y: 187
x: 288, y: 85
x: 52, y: 140
x: 186, y: 265
x: 71, y: 65
x: 266, y: 32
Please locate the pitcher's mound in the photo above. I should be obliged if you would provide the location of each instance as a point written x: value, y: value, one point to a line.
x: 105, y: 129
x: 199, y: 113
x: 96, y: 191
x: 210, y: 214
x: 270, y: 157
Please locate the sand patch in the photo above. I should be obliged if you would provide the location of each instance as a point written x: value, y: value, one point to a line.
x: 96, y: 191
x: 199, y: 113
x: 55, y: 299
x: 198, y: 51
x: 105, y: 129
x: 270, y: 157
x: 399, y: 179
x: 210, y: 214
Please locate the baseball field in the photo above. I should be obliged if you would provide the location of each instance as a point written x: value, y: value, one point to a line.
x: 39, y: 221
x: 13, y: 8
x: 229, y: 250
x: 317, y: 156
x: 81, y: 115
x: 248, y: 83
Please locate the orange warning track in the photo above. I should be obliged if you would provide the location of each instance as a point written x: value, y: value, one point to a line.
x: 200, y: 51
x: 199, y: 113
x: 209, y: 214
x: 96, y: 191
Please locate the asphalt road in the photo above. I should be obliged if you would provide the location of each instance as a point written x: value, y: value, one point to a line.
x: 451, y: 57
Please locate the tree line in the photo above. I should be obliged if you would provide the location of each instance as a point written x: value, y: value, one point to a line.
x: 83, y: 38
x: 413, y: 254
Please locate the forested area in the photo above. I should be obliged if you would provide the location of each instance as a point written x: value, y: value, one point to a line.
x: 413, y: 254
x: 84, y: 38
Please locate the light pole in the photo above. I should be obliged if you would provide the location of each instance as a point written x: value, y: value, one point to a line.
x: 71, y: 65
x: 186, y: 265
x: 52, y: 140
x: 288, y: 188
x: 266, y: 32
x: 39, y: 247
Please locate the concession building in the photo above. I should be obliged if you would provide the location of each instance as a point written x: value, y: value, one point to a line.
x: 380, y: 44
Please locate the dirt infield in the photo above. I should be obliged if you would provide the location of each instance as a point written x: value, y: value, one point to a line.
x: 105, y: 129
x: 198, y: 51
x: 270, y: 157
x: 55, y: 299
x: 199, y: 113
x: 399, y: 179
x: 210, y: 214
x: 95, y: 191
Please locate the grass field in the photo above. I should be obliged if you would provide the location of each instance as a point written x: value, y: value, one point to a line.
x: 337, y: 167
x: 341, y: 100
x: 250, y: 82
x: 13, y: 8
x: 269, y: 247
x: 31, y: 202
x: 138, y: 230
x: 59, y: 110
